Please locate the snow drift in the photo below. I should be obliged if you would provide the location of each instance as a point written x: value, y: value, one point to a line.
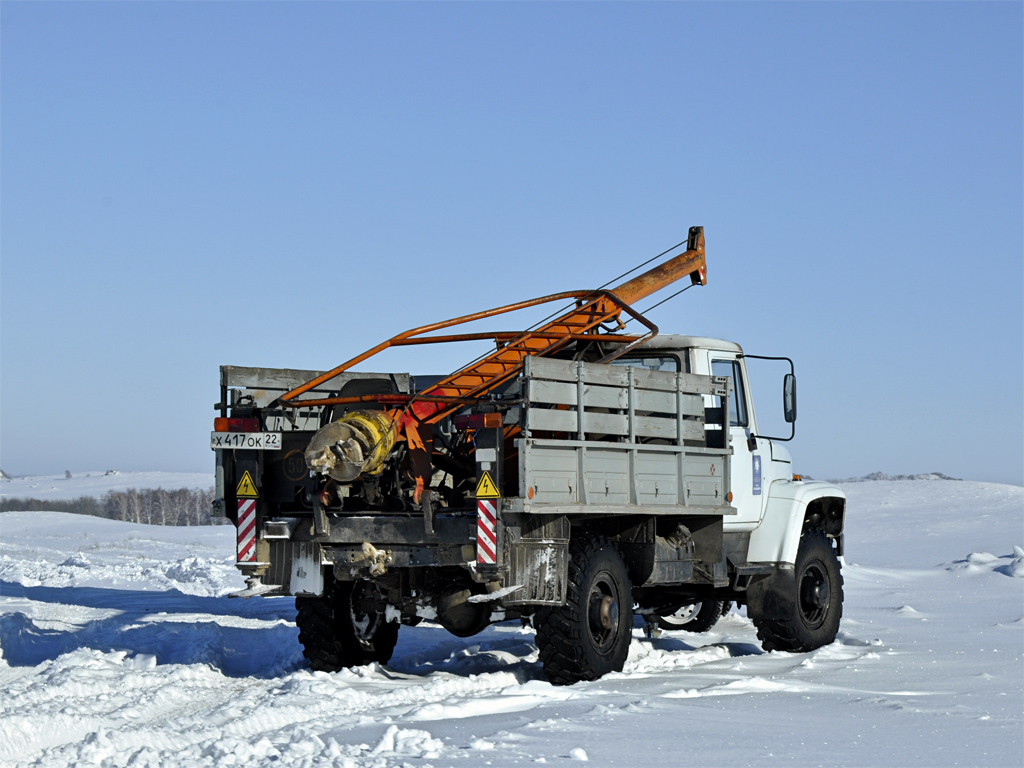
x: 120, y: 648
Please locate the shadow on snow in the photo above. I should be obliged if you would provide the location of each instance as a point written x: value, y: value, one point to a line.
x: 158, y: 623
x: 150, y: 622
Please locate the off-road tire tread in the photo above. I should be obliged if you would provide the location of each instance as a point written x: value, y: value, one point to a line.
x: 787, y: 633
x: 559, y: 629
x: 327, y: 637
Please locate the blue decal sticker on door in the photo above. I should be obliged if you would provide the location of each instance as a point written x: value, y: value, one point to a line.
x: 757, y: 475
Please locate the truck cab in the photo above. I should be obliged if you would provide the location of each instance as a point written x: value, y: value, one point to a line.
x: 762, y: 467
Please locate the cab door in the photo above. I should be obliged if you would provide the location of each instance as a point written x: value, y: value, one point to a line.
x: 749, y: 456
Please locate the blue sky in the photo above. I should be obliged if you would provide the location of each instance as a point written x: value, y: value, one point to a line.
x: 186, y: 185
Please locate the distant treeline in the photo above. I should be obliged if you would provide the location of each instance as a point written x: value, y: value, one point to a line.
x: 183, y: 506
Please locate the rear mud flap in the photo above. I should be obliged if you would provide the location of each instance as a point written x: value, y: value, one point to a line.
x: 297, y: 566
x: 541, y: 567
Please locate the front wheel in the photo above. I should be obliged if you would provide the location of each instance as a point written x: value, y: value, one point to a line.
x: 808, y: 617
x: 589, y: 636
x: 346, y: 627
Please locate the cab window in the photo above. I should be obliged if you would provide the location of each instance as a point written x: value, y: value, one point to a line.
x: 738, y: 402
x: 650, y: 362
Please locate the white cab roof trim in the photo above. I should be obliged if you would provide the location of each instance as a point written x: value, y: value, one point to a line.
x: 676, y: 341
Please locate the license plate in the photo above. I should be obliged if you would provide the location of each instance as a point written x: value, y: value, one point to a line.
x: 248, y: 441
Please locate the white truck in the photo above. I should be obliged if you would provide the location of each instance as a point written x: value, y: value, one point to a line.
x: 573, y: 478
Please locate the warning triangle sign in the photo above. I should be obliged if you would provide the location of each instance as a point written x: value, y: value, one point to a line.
x: 246, y: 487
x: 486, y: 489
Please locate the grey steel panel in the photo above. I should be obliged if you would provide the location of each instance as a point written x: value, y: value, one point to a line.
x: 564, y: 393
x: 288, y: 378
x: 702, y: 491
x: 665, y: 402
x: 615, y: 376
x: 529, y: 507
x: 665, y: 428
x: 548, y: 420
x: 657, y: 478
x: 606, y: 476
x: 599, y: 396
x: 567, y: 421
x: 621, y: 474
x: 554, y: 473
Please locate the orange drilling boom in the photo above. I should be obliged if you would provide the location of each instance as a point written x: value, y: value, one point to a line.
x: 594, y: 310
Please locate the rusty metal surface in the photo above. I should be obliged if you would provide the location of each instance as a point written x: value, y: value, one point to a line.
x: 690, y: 263
x: 586, y: 319
x: 312, y: 383
x: 503, y: 336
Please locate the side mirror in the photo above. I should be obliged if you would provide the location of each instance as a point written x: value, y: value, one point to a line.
x: 789, y: 397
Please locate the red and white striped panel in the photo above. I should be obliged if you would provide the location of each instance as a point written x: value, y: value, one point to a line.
x: 247, y: 530
x: 486, y: 534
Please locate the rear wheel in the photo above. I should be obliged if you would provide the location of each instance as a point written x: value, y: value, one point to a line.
x: 346, y: 627
x: 696, y: 617
x: 589, y: 636
x: 811, y: 616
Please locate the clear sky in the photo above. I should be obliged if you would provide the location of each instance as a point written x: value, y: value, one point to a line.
x: 185, y: 185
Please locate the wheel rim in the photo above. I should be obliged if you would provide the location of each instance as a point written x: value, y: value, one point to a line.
x: 365, y: 623
x: 683, y: 616
x: 603, y: 612
x: 815, y: 594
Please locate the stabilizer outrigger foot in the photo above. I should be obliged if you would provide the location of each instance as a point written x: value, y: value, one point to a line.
x: 255, y: 587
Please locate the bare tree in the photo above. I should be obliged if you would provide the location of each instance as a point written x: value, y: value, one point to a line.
x: 163, y: 499
x: 158, y: 506
x: 116, y: 505
x: 134, y: 506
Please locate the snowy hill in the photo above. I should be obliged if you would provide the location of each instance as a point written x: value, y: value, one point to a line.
x: 120, y: 649
x: 57, y: 487
x: 883, y: 476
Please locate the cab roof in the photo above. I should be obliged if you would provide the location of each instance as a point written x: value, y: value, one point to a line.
x: 678, y: 341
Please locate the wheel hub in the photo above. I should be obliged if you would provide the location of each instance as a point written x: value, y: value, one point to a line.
x: 603, y: 614
x: 609, y: 612
x: 819, y: 595
x: 814, y: 595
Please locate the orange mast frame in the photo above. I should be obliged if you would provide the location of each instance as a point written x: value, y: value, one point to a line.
x: 587, y: 321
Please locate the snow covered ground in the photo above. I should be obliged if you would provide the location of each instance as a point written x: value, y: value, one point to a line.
x: 119, y: 649
x: 58, y: 487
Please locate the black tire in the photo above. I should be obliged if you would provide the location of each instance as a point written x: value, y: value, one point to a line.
x: 589, y: 636
x: 697, y: 617
x: 808, y: 617
x: 336, y: 632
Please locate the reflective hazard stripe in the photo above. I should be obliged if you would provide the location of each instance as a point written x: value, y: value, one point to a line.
x: 246, y: 530
x: 486, y: 536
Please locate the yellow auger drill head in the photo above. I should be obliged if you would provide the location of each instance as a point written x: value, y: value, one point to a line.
x: 357, y: 443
